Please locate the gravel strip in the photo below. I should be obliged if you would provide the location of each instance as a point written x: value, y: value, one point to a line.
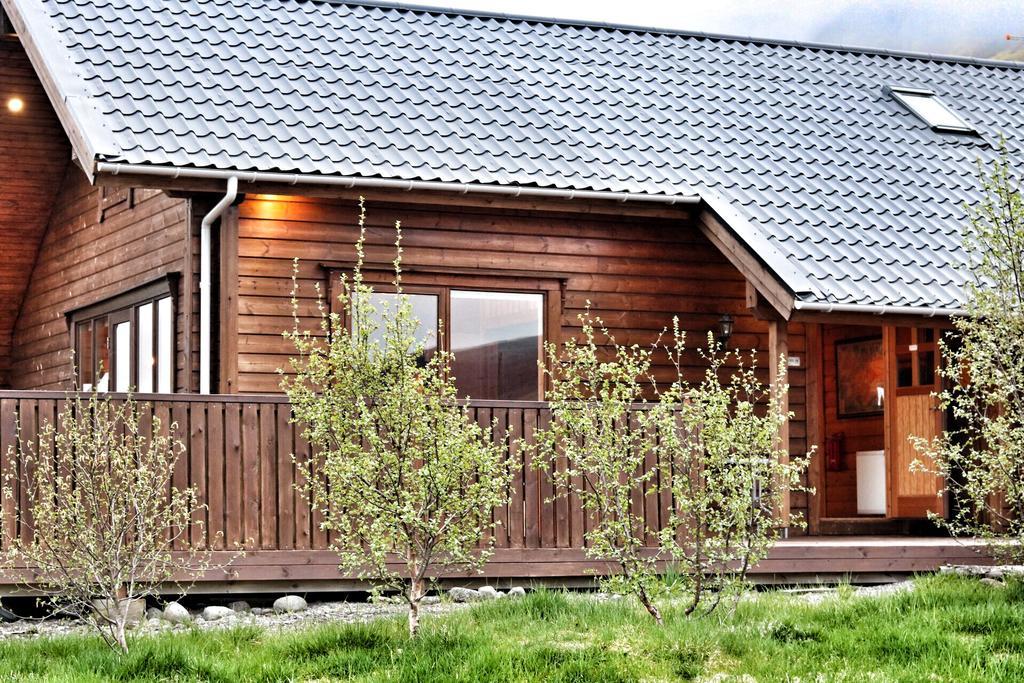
x: 317, y: 613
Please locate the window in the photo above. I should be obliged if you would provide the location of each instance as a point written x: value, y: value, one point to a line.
x: 126, y: 343
x: 494, y: 327
x: 926, y: 106
x: 497, y: 339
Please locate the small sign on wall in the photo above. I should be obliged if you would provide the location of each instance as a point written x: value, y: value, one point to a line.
x: 793, y: 361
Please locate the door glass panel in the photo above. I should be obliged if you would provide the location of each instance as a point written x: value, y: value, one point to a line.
x: 926, y: 335
x: 85, y: 356
x: 497, y: 340
x: 145, y: 355
x: 902, y: 336
x: 165, y: 342
x: 926, y: 367
x: 122, y: 356
x: 424, y: 311
x: 904, y: 370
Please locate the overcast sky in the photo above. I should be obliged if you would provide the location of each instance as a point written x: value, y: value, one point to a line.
x: 953, y: 26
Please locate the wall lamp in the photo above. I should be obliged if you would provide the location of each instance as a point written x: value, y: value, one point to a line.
x: 724, y: 332
x: 15, y: 105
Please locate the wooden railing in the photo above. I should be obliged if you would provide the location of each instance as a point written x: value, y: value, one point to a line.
x: 238, y: 457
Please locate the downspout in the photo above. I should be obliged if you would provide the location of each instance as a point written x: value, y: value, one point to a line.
x: 205, y: 285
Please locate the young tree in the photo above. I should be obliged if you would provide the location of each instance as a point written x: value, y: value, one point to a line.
x: 595, y: 447
x: 101, y: 515
x: 401, y: 473
x: 720, y: 456
x: 981, y: 454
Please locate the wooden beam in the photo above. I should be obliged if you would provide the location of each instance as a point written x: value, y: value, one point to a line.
x: 227, y: 307
x: 778, y: 348
x: 757, y: 305
x: 815, y: 406
x: 773, y: 291
x: 870, y: 319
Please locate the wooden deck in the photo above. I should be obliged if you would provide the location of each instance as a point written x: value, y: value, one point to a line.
x: 239, y: 459
x: 807, y: 560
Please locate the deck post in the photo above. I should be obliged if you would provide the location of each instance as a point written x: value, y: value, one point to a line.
x: 778, y: 347
x: 815, y: 426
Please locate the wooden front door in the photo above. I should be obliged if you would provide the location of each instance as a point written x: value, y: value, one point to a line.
x: 912, y: 360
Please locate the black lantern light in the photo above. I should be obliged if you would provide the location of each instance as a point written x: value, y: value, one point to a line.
x: 725, y: 325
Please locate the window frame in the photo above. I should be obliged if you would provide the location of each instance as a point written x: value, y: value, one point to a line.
x: 905, y: 97
x: 441, y: 282
x: 122, y: 308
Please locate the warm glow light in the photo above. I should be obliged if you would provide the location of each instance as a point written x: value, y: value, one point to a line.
x: 15, y: 104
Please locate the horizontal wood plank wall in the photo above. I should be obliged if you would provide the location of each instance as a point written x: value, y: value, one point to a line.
x: 636, y: 272
x: 84, y: 260
x: 860, y: 433
x: 35, y: 153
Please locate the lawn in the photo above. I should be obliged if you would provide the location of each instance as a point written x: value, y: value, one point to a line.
x: 949, y: 629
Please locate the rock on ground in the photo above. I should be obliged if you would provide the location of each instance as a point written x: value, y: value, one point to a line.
x: 458, y: 594
x: 239, y: 606
x: 516, y: 592
x: 488, y: 593
x: 215, y: 612
x: 289, y: 603
x: 176, y: 614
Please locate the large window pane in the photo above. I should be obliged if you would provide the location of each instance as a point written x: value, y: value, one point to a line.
x: 424, y: 310
x: 165, y: 344
x: 497, y: 339
x: 145, y: 353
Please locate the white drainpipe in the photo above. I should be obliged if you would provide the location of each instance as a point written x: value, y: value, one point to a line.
x: 205, y: 285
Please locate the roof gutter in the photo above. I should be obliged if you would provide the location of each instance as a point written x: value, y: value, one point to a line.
x: 873, y: 309
x: 357, y: 182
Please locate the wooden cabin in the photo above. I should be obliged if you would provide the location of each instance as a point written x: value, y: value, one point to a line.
x: 163, y: 166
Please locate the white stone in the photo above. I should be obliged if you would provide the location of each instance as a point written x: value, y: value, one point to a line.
x: 215, y: 612
x: 153, y: 613
x: 516, y: 592
x: 994, y: 583
x: 458, y: 594
x: 289, y: 603
x: 430, y: 600
x: 488, y: 593
x: 240, y: 606
x: 176, y: 614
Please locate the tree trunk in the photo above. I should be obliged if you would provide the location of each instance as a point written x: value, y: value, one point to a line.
x: 119, y: 636
x: 415, y: 595
x: 649, y: 605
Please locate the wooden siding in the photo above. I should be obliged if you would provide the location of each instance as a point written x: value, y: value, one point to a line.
x: 84, y: 260
x: 859, y: 433
x: 238, y: 458
x: 35, y: 154
x: 636, y: 272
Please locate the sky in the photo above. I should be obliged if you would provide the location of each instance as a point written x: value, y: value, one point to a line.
x: 975, y: 28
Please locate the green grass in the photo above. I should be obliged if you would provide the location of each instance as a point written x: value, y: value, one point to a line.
x: 950, y: 629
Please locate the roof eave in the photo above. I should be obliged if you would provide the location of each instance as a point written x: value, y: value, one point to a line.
x: 65, y: 88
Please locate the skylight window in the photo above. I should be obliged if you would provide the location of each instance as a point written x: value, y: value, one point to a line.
x: 929, y: 108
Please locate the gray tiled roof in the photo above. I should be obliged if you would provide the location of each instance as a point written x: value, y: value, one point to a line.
x: 803, y: 141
